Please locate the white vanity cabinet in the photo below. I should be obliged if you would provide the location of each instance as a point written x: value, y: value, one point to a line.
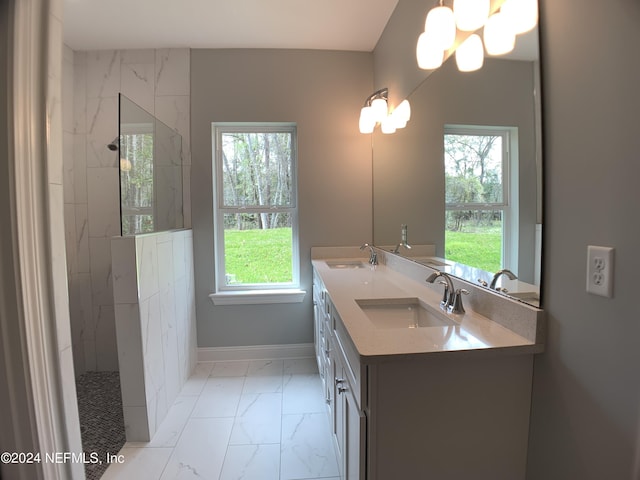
x: 435, y: 414
x: 341, y: 378
x: 442, y: 417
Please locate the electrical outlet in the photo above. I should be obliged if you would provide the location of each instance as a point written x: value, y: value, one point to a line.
x: 600, y: 271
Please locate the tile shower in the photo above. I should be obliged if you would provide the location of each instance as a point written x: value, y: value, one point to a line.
x: 157, y: 80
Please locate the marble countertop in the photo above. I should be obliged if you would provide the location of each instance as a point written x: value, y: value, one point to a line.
x: 472, y: 333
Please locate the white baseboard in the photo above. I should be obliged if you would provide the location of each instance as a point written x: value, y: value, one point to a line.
x: 255, y: 352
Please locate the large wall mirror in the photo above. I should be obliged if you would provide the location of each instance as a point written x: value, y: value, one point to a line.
x: 465, y: 175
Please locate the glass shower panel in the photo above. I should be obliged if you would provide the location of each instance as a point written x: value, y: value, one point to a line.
x: 150, y: 172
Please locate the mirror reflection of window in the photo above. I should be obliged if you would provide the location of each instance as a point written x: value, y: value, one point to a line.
x: 137, y: 183
x: 480, y: 215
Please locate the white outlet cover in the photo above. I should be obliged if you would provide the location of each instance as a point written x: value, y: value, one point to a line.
x: 600, y: 270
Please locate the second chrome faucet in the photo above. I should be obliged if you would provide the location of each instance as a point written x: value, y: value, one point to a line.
x: 373, y: 256
x: 452, y: 299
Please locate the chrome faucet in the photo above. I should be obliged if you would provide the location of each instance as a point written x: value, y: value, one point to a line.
x: 403, y: 240
x: 373, y: 256
x: 494, y: 280
x: 452, y: 299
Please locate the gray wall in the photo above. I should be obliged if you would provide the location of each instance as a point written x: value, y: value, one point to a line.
x: 586, y: 393
x: 587, y: 384
x: 322, y: 92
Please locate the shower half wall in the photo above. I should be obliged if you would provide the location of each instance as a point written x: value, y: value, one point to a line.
x: 154, y: 301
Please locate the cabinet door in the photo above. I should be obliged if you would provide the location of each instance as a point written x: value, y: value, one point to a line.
x: 354, y: 436
x: 337, y: 414
x: 349, y: 428
x: 318, y: 325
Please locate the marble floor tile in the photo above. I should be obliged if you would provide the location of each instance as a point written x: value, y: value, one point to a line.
x: 258, y: 420
x: 171, y: 427
x: 307, y: 449
x: 223, y: 386
x: 265, y: 367
x: 230, y: 369
x: 219, y: 398
x: 264, y: 376
x: 302, y: 394
x: 218, y: 429
x: 197, y: 380
x: 263, y: 384
x: 200, y: 451
x: 294, y: 366
x: 252, y: 462
x: 216, y: 405
x: 147, y: 463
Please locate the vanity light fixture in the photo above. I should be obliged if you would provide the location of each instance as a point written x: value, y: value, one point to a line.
x: 470, y: 54
x: 370, y: 116
x: 500, y: 30
x: 522, y: 14
x: 428, y: 52
x: 499, y: 37
x: 471, y: 14
x: 441, y: 23
x: 375, y: 111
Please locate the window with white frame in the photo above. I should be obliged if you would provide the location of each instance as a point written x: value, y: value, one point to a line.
x: 480, y: 220
x: 256, y: 216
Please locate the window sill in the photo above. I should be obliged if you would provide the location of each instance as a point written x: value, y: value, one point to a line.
x: 258, y: 297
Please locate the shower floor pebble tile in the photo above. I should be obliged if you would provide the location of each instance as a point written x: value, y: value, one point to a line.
x: 101, y: 418
x: 262, y: 420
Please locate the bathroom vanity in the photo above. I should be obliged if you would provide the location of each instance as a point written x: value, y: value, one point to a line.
x: 413, y: 392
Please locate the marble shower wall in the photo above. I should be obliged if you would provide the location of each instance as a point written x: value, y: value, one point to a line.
x: 155, y: 322
x: 158, y: 81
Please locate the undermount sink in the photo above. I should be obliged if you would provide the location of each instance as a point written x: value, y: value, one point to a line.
x: 344, y: 264
x: 402, y: 313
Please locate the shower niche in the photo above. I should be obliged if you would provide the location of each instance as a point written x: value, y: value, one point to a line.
x: 151, y: 197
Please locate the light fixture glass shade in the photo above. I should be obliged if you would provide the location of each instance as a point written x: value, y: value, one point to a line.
x: 401, y: 114
x: 470, y: 14
x: 522, y: 14
x: 498, y: 35
x: 429, y: 52
x: 387, y: 125
x: 403, y: 111
x: 125, y: 164
x: 470, y: 54
x: 441, y: 23
x: 379, y: 109
x: 367, y: 122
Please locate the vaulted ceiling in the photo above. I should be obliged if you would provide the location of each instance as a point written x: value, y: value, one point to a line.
x: 130, y: 24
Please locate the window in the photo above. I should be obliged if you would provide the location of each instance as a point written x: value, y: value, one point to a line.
x: 256, y: 217
x: 479, y: 213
